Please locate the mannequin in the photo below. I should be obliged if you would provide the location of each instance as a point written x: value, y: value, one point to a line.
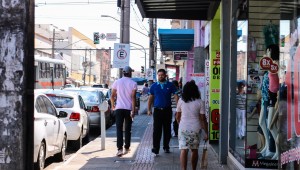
x: 273, y: 126
x: 270, y: 88
x: 267, y: 151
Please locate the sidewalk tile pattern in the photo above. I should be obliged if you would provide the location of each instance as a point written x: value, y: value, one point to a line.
x: 140, y: 157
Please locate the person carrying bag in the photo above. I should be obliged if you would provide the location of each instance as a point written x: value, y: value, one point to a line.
x: 204, y: 163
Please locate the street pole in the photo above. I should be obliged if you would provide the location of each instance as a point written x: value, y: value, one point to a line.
x: 90, y: 64
x: 144, y: 52
x: 53, y: 43
x: 125, y: 22
x: 151, y: 44
x: 84, y: 67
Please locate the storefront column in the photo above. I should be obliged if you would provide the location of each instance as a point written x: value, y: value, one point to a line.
x: 233, y: 72
x: 225, y: 80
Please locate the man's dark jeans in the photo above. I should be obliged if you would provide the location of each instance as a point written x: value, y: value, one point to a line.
x: 121, y: 115
x: 162, y: 119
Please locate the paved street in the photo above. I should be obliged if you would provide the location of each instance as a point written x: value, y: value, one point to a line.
x: 91, y: 157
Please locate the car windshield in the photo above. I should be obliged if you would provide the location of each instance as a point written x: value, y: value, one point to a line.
x: 61, y: 101
x: 89, y: 96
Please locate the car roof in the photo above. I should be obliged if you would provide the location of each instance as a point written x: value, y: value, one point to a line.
x: 58, y: 92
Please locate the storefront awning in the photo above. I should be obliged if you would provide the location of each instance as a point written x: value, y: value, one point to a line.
x: 176, y: 39
x: 178, y: 9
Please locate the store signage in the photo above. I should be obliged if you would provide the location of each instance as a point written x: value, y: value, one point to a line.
x: 214, y: 95
x: 206, y: 98
x: 266, y: 63
x: 180, y: 55
x: 199, y: 79
x: 261, y: 163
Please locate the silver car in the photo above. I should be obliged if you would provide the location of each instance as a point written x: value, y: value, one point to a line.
x: 50, y: 133
x: 92, y: 98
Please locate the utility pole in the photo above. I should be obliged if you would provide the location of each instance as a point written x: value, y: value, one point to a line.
x: 90, y: 64
x: 84, y: 64
x: 125, y: 25
x: 53, y: 43
x: 151, y: 47
x: 17, y: 109
x: 154, y: 41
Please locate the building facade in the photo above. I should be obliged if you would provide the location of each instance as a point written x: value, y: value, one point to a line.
x: 76, y: 49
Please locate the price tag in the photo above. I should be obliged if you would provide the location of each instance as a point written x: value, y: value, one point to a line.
x: 265, y: 63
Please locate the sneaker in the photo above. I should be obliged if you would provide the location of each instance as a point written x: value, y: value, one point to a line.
x: 120, y: 152
x: 167, y: 150
x: 126, y: 151
x: 155, y: 151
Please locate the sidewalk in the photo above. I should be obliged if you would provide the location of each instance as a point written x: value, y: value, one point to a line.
x: 91, y: 157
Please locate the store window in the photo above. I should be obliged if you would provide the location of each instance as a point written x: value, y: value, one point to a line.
x: 272, y: 130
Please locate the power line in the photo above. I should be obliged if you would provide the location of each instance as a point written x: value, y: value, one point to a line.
x: 57, y: 49
x: 138, y: 20
x: 75, y: 3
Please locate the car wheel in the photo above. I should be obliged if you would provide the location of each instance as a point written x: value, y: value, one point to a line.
x: 61, y: 155
x: 86, y: 139
x: 41, y: 157
x: 78, y: 143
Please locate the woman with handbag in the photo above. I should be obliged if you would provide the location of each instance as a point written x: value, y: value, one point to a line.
x: 191, y: 118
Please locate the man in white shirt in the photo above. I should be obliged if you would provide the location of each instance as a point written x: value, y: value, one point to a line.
x: 123, y: 100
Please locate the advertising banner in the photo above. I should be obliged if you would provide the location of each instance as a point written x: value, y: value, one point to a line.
x: 214, y: 86
x: 199, y: 79
x: 288, y: 114
x: 214, y: 96
x: 206, y: 96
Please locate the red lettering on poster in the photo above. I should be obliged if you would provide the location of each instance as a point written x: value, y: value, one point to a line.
x: 218, y: 54
x: 296, y: 92
x: 288, y: 81
x: 215, y: 117
x: 295, y: 84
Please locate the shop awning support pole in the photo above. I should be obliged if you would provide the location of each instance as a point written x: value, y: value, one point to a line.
x: 233, y: 73
x: 225, y: 73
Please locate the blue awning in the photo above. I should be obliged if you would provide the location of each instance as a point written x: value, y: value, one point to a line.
x: 176, y: 39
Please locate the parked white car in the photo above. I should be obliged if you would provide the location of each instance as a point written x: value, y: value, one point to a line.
x: 77, y: 121
x: 50, y: 133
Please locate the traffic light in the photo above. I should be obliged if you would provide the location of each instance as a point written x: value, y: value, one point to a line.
x: 142, y: 69
x: 96, y: 38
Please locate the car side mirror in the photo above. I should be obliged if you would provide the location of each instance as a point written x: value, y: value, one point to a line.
x: 62, y: 114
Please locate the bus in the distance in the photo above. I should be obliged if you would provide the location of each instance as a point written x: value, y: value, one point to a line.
x: 49, y: 73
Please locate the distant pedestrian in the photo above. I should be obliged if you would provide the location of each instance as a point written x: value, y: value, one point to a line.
x: 124, y: 95
x: 191, y: 118
x: 145, y: 89
x: 108, y: 91
x: 160, y: 97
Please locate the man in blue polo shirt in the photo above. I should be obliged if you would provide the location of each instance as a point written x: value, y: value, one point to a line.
x: 160, y: 93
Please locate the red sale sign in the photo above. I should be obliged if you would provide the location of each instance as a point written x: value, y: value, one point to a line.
x: 266, y: 63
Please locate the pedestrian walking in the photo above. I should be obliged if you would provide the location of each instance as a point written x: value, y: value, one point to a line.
x: 123, y: 99
x: 191, y: 118
x: 160, y: 97
x: 145, y: 89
